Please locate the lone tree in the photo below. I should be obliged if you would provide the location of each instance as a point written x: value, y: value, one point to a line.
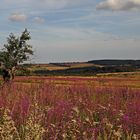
x: 16, y: 51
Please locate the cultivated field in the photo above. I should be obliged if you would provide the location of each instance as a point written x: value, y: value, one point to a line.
x: 106, y: 107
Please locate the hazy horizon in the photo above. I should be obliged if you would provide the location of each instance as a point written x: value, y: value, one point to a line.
x: 75, y: 30
x: 84, y: 61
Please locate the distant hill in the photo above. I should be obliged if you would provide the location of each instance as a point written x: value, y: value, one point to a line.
x: 116, y: 62
x: 86, y: 68
x: 81, y: 68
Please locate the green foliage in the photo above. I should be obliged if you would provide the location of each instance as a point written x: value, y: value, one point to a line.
x: 23, y: 72
x: 16, y: 50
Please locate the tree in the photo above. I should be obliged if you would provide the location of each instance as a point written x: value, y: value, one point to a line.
x: 16, y: 51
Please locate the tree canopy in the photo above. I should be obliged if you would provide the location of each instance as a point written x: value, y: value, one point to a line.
x: 16, y: 50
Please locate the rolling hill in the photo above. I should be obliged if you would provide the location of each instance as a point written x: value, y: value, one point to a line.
x: 84, y: 68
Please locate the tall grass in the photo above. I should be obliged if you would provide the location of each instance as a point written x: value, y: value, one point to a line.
x: 69, y: 109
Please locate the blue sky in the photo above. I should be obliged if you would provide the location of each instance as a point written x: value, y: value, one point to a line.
x: 75, y: 30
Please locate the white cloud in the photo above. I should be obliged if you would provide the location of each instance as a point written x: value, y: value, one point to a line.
x: 119, y: 4
x: 39, y: 20
x: 17, y: 17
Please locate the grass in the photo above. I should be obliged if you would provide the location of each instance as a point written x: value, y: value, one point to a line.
x: 71, y: 108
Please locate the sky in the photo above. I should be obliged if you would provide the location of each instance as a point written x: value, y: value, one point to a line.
x: 74, y: 30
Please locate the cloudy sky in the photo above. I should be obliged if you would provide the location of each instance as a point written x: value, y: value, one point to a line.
x: 75, y: 30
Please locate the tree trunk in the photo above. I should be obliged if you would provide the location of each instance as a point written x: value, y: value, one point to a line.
x: 12, y: 75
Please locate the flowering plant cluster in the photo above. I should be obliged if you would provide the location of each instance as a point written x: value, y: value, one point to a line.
x: 70, y: 108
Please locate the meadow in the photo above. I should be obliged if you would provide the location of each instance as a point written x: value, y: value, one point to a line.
x: 105, y: 107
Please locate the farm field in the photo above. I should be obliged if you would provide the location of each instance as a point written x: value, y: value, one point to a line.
x: 105, y: 107
x: 61, y: 66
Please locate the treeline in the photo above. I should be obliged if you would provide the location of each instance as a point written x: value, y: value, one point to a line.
x: 116, y: 62
x: 87, y: 70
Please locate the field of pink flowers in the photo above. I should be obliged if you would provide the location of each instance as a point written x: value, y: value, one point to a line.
x: 70, y: 108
